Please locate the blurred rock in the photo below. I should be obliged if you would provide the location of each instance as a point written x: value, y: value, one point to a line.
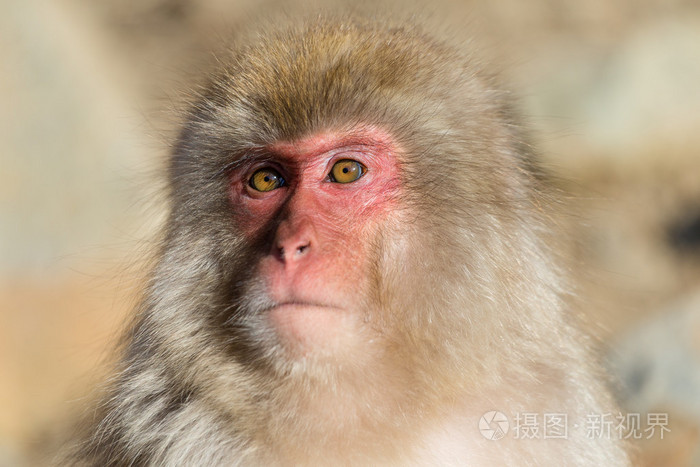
x: 684, y: 234
x: 659, y: 360
x: 658, y: 363
x: 636, y: 97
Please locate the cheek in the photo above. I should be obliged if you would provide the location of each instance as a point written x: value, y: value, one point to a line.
x: 344, y: 258
x: 251, y: 216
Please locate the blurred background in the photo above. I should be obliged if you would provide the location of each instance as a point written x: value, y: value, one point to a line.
x: 89, y: 98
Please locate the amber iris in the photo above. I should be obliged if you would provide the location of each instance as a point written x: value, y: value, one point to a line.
x: 347, y: 171
x: 266, y: 180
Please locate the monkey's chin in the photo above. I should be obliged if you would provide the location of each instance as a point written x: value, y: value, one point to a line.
x: 313, y: 329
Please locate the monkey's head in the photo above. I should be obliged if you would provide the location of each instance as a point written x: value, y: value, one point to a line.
x: 345, y: 201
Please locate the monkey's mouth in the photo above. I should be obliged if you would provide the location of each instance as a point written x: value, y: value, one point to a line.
x: 299, y: 303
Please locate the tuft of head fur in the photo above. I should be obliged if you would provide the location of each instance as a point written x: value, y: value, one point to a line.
x: 465, y: 295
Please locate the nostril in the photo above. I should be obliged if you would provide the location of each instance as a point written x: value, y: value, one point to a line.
x: 301, y: 249
x: 291, y: 252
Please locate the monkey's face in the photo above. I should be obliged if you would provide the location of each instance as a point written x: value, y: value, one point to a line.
x: 334, y: 202
x: 314, y: 208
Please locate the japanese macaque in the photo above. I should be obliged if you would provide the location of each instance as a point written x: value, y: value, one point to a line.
x: 355, y: 270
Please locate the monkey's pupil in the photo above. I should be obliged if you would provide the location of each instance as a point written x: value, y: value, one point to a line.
x: 267, y: 178
x: 345, y: 170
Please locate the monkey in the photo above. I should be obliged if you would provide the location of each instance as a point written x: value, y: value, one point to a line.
x: 355, y: 270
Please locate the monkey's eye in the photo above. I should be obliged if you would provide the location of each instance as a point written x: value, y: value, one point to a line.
x: 347, y: 171
x: 266, y: 179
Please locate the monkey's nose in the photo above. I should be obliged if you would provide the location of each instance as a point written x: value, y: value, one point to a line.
x: 294, y: 242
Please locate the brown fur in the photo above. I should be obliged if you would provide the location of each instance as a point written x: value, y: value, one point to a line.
x: 464, y: 293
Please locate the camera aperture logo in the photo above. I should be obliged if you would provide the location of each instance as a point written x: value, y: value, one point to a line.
x: 493, y: 425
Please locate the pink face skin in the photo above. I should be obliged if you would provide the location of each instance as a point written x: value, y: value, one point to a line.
x: 316, y: 270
